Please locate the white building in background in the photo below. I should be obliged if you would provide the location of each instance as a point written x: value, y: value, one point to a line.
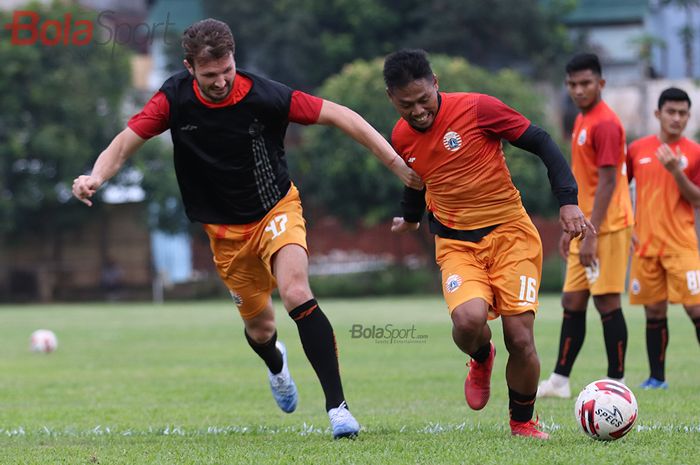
x: 619, y: 31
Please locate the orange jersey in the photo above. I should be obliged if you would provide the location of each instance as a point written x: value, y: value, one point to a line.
x: 665, y: 221
x: 599, y: 140
x: 461, y: 161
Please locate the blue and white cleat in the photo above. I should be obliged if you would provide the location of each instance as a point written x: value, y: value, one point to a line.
x: 282, y: 385
x: 343, y: 423
x: 653, y: 383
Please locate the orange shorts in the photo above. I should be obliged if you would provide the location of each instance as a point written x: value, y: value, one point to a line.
x: 503, y: 269
x: 672, y: 278
x: 608, y: 275
x: 243, y: 252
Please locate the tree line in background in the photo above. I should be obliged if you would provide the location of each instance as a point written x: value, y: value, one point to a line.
x: 303, y: 42
x: 59, y: 105
x: 62, y: 105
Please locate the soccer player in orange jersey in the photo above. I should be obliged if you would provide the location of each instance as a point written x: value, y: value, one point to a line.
x: 489, y: 252
x: 596, y: 264
x: 665, y: 263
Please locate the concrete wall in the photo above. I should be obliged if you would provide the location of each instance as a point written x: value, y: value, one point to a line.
x: 635, y: 104
x: 71, y: 265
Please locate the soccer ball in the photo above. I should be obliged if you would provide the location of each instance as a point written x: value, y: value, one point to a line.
x: 606, y: 410
x: 43, y: 340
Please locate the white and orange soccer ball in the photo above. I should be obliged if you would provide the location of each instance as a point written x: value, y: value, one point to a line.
x: 43, y: 340
x: 606, y: 410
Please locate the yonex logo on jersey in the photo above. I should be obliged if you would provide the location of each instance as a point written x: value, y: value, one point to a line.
x: 411, y: 160
x: 452, y: 141
x: 452, y: 283
x: 581, y: 137
x: 635, y: 287
x: 683, y: 162
x: 188, y: 127
x: 645, y: 160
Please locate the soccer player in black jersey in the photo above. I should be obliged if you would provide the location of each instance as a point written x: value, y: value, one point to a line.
x: 228, y: 129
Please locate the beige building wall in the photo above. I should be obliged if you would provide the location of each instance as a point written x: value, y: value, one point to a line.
x: 635, y: 105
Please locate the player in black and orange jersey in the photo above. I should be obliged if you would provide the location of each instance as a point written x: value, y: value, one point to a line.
x: 665, y: 263
x: 228, y: 129
x: 489, y: 252
x: 596, y: 265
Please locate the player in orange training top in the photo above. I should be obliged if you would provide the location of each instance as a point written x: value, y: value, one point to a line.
x: 665, y: 263
x: 597, y: 264
x: 489, y: 252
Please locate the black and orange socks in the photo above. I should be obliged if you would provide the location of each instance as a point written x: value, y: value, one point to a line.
x: 268, y: 352
x: 573, y: 333
x: 318, y: 341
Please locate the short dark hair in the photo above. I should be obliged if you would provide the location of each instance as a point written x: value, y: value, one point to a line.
x: 673, y: 94
x: 209, y: 39
x: 583, y: 62
x: 405, y: 66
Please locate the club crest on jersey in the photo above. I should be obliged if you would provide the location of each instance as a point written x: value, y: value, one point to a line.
x: 452, y: 283
x: 683, y: 162
x: 452, y: 141
x: 581, y: 137
x: 635, y: 286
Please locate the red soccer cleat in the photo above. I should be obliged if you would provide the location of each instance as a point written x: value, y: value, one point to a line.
x: 477, y: 386
x: 528, y: 429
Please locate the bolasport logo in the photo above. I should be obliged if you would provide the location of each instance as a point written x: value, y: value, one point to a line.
x: 388, y: 334
x: 31, y: 28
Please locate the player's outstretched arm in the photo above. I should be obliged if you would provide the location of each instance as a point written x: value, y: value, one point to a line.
x: 356, y: 127
x: 107, y: 165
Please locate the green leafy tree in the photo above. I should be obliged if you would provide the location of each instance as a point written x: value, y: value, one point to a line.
x: 154, y: 161
x: 339, y: 176
x: 303, y: 42
x: 525, y: 35
x: 60, y: 106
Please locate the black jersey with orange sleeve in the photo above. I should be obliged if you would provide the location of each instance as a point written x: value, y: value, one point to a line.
x: 229, y: 156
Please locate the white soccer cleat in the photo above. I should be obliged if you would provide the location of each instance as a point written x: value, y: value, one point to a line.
x: 555, y: 386
x: 343, y: 423
x: 282, y: 385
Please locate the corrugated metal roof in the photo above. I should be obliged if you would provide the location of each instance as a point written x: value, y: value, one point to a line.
x: 607, y: 12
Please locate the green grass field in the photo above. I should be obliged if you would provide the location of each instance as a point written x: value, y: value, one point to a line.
x: 177, y: 384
